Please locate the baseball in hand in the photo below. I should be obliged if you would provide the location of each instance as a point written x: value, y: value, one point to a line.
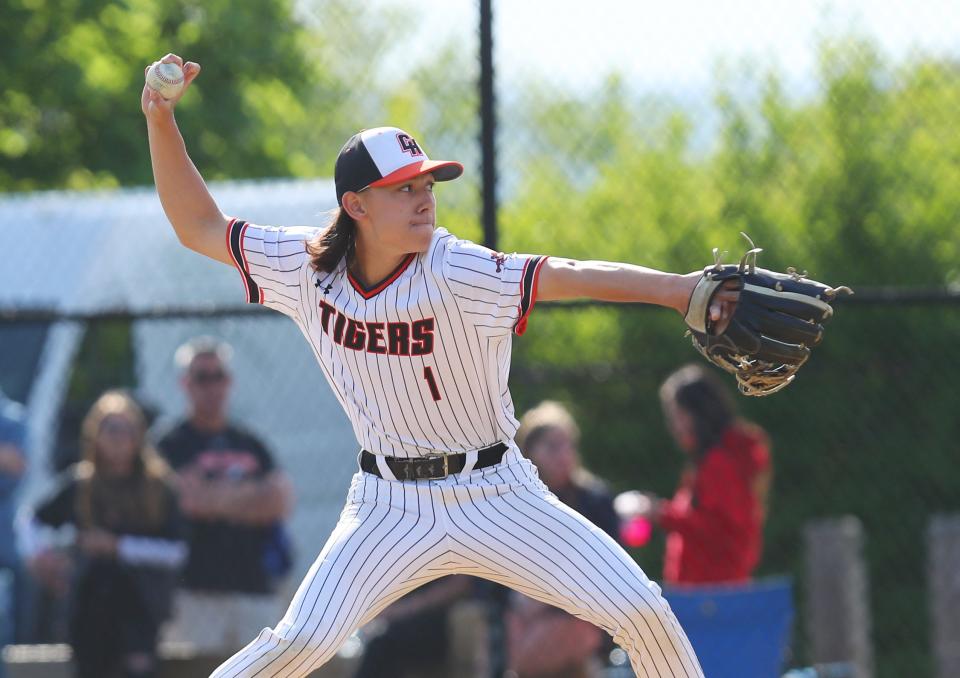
x: 166, y: 79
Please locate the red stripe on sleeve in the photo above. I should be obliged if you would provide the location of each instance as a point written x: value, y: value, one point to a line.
x: 522, y: 321
x: 233, y: 257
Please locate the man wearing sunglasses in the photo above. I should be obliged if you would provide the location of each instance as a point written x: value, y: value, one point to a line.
x: 233, y: 497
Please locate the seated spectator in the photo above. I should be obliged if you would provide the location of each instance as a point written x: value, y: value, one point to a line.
x: 544, y: 641
x: 413, y: 632
x: 127, y: 546
x: 714, y: 522
x: 234, y: 498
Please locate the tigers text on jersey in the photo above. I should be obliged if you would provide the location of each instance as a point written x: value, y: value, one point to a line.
x: 420, y: 361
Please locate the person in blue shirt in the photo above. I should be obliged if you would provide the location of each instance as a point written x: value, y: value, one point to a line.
x: 13, y: 442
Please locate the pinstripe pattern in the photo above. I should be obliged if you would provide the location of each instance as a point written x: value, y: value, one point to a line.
x: 500, y: 523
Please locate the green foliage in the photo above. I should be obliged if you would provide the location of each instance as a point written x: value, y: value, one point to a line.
x: 276, y: 96
x: 70, y: 117
x: 858, y: 180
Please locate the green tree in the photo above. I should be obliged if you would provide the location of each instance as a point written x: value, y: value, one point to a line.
x: 70, y: 116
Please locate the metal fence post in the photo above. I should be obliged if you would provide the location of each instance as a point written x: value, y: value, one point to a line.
x: 488, y: 126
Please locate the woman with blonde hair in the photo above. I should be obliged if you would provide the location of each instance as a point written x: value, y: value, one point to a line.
x: 550, y: 438
x: 127, y: 545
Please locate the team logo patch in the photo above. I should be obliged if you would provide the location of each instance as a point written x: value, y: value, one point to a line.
x: 409, y: 145
x: 499, y: 257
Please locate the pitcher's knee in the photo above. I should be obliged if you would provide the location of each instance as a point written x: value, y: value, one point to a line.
x: 282, y: 651
x: 299, y: 651
x: 646, y: 617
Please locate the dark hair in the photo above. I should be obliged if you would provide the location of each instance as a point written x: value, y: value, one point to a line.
x: 327, y: 248
x: 703, y: 396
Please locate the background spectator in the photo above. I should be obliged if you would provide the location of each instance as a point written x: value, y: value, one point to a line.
x: 127, y: 545
x: 550, y: 438
x: 544, y: 641
x: 714, y: 522
x: 234, y: 499
x: 13, y: 435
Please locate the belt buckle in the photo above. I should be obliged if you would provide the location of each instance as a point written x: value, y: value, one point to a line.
x: 446, y: 467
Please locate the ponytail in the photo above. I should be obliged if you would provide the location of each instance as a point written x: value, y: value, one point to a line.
x: 328, y: 247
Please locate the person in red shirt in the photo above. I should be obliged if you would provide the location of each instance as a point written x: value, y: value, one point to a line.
x: 714, y: 522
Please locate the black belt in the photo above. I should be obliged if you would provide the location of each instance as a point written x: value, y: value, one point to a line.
x: 431, y: 468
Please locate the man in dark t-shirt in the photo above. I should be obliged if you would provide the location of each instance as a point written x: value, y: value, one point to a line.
x: 209, y: 458
x: 233, y: 497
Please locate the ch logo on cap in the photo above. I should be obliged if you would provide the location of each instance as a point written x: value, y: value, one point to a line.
x: 409, y: 145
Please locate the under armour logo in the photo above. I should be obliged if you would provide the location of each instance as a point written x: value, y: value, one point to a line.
x: 499, y: 257
x: 326, y: 288
x: 409, y: 145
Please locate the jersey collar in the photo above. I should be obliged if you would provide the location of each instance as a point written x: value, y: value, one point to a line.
x: 368, y: 292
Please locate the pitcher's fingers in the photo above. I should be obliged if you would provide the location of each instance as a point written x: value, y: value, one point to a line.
x: 191, y: 70
x: 715, y: 311
x: 721, y: 310
x: 172, y: 58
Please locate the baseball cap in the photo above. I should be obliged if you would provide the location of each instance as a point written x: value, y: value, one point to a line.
x: 383, y: 156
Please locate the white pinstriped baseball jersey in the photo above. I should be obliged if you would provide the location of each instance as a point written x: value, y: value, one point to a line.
x: 420, y: 361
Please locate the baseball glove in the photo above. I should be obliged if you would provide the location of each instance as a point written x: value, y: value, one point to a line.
x: 777, y: 320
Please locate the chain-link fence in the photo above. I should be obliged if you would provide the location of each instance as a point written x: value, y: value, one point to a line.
x: 866, y: 431
x: 623, y: 131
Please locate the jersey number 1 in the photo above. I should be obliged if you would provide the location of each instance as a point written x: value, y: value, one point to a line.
x: 431, y: 382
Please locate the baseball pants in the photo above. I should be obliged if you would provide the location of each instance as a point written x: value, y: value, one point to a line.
x: 500, y: 523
